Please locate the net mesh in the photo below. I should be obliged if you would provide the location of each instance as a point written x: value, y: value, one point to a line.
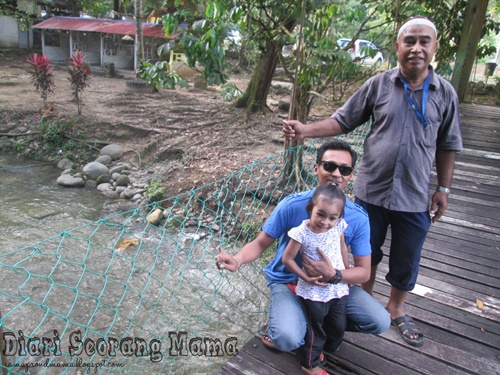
x: 138, y: 292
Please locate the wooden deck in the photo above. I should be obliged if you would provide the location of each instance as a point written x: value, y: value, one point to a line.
x: 457, y: 300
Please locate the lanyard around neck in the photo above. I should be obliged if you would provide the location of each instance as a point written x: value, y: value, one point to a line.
x: 420, y: 113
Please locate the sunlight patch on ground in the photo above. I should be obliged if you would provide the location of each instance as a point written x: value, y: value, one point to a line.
x: 421, y: 290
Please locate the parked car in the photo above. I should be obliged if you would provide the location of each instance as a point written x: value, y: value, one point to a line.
x: 233, y: 38
x: 363, y: 50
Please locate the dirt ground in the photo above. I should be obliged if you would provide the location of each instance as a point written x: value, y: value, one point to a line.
x: 191, y: 135
x: 186, y: 137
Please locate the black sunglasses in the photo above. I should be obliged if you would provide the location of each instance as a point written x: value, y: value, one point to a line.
x: 331, y: 167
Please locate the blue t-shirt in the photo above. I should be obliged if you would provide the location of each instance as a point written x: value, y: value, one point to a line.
x: 290, y: 213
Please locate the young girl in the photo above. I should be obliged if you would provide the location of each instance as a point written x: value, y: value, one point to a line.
x: 322, y: 299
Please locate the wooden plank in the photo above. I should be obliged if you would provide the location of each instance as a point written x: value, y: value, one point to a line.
x: 369, y: 357
x: 461, y: 247
x: 439, y: 358
x: 255, y: 359
x: 463, y: 324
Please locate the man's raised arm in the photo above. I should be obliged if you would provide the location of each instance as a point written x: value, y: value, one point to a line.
x: 293, y: 129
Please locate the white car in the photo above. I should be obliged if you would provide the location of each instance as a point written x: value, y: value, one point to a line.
x: 363, y: 50
x: 233, y: 38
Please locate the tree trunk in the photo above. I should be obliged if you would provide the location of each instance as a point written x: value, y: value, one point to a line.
x: 116, y: 9
x: 139, y: 45
x: 294, y: 164
x: 255, y: 96
x: 467, y: 47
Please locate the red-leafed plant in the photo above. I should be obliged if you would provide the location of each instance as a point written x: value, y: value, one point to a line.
x: 79, y: 71
x: 42, y: 76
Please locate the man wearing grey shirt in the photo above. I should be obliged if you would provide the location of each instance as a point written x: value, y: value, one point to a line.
x: 415, y: 121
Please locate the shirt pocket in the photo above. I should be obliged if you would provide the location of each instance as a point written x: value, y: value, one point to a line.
x: 430, y: 132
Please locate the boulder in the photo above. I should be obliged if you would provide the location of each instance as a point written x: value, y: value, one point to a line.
x: 65, y: 163
x: 104, y: 159
x: 118, y: 169
x: 94, y: 169
x: 122, y: 180
x: 155, y: 217
x: 114, y: 151
x: 68, y: 180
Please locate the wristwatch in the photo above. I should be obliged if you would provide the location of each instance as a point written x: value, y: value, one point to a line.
x: 337, y: 278
x: 443, y: 189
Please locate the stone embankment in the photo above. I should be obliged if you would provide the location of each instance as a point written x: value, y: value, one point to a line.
x: 117, y: 180
x: 107, y: 174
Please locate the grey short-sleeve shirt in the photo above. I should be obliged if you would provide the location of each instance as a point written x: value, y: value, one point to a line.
x: 398, y: 154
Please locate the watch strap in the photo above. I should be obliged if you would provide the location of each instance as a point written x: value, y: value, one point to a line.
x: 337, y: 278
x: 443, y: 189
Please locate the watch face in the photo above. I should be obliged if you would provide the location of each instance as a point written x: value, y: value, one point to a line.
x: 336, y: 279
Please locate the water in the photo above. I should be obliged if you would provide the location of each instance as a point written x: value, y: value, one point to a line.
x: 33, y: 207
x: 65, y: 278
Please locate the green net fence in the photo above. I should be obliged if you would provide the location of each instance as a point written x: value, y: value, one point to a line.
x: 138, y: 292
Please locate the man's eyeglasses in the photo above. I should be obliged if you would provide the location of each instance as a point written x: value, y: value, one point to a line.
x: 331, y: 167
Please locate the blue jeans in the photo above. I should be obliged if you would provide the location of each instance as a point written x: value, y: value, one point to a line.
x: 288, y: 324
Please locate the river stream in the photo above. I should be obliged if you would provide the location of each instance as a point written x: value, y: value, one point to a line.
x: 67, y: 278
x: 33, y: 207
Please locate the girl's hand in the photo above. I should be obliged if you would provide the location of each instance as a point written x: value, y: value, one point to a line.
x: 318, y: 281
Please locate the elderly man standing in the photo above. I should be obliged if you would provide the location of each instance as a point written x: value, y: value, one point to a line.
x: 415, y: 121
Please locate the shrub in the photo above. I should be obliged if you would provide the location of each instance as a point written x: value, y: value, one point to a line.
x: 155, y: 191
x: 159, y: 75
x: 79, y: 71
x: 229, y: 92
x: 42, y: 76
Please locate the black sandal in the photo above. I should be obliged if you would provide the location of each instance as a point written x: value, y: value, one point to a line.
x: 406, y: 328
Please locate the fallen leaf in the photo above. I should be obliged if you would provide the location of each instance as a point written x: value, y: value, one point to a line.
x: 126, y: 243
x: 479, y: 304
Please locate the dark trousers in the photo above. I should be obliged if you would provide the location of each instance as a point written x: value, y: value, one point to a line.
x: 408, y: 233
x: 326, y: 324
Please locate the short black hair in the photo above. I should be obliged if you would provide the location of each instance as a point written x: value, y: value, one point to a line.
x: 336, y: 144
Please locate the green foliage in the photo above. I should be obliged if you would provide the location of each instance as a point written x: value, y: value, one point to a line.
x: 155, y: 190
x: 202, y: 40
x: 159, y: 75
x: 23, y: 18
x: 53, y: 137
x: 59, y: 139
x: 321, y: 63
x: 18, y: 146
x: 41, y: 75
x: 270, y: 252
x: 98, y: 9
x: 79, y: 71
x: 448, y: 17
x: 250, y: 230
x: 229, y: 92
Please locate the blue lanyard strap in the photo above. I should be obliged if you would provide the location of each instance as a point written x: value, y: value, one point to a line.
x: 420, y: 113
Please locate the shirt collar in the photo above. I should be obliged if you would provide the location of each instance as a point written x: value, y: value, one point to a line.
x: 434, y: 81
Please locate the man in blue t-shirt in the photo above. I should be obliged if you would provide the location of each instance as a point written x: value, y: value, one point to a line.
x: 287, y: 323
